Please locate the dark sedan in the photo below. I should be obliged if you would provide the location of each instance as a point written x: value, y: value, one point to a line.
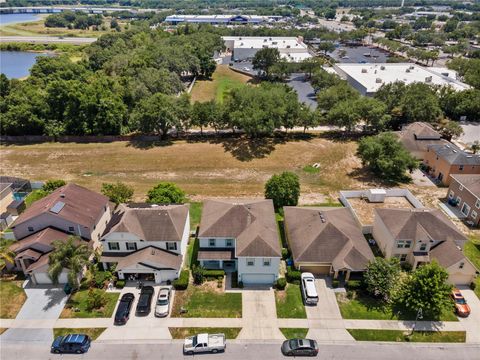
x: 71, y: 343
x: 123, y: 310
x: 145, y: 301
x: 300, y: 347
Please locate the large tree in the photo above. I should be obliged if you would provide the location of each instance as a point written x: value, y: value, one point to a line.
x: 264, y: 59
x: 382, y: 276
x: 166, y: 193
x: 331, y: 96
x: 283, y: 189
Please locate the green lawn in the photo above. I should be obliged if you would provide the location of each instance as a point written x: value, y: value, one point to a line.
x: 294, y: 333
x: 208, y: 302
x: 365, y: 307
x: 472, y: 251
x: 183, y: 332
x: 34, y: 196
x: 195, y: 214
x: 79, y: 300
x: 12, y: 298
x: 94, y: 333
x: 289, y: 303
x: 401, y: 336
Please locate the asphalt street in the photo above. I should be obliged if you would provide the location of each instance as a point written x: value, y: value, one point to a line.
x: 246, y: 351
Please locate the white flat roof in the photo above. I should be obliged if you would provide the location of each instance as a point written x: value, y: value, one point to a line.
x: 373, y: 76
x: 258, y: 42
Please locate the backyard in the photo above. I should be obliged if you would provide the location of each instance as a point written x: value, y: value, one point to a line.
x: 290, y: 303
x: 12, y: 298
x: 77, y: 307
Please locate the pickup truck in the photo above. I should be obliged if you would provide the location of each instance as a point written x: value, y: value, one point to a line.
x: 201, y: 343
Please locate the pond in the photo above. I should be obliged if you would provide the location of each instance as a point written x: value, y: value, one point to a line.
x: 9, y: 19
x: 16, y: 64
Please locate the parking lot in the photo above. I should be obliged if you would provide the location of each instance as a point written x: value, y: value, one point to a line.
x: 355, y: 55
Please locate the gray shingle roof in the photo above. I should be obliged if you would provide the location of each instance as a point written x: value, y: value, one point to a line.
x: 447, y: 254
x: 417, y: 136
x: 471, y: 182
x: 454, y: 155
x: 151, y: 256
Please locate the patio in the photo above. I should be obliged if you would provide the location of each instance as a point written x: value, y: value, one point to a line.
x: 452, y: 211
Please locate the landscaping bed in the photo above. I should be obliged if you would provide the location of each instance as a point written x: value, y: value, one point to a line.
x: 78, y: 301
x: 294, y: 333
x: 12, y: 298
x: 289, y: 303
x: 183, y: 332
x: 94, y: 333
x: 404, y: 336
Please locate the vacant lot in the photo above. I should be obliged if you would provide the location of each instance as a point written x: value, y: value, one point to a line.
x: 209, y: 168
x: 222, y: 81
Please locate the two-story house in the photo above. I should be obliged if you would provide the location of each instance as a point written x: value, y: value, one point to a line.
x: 147, y: 241
x: 417, y: 136
x: 69, y: 210
x: 465, y: 191
x: 241, y: 235
x: 418, y: 236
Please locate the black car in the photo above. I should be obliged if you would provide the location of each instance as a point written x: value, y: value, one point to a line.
x: 145, y: 301
x: 299, y: 347
x: 123, y: 310
x: 71, y: 343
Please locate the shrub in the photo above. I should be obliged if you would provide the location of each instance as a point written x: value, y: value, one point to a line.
x: 354, y: 285
x: 52, y: 185
x: 101, y: 277
x: 406, y: 266
x: 335, y: 283
x: 220, y: 283
x: 214, y: 274
x: 96, y: 299
x: 281, y: 283
x: 285, y: 253
x: 473, y: 286
x: 120, y: 284
x: 240, y: 284
x: 198, y: 274
x: 292, y: 275
x: 182, y: 282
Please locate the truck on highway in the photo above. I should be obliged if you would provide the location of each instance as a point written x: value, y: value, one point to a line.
x: 202, y: 343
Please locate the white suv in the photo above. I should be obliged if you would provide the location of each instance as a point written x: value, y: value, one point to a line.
x: 309, y: 291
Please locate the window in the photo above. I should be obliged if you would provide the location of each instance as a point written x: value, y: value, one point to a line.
x: 266, y: 262
x: 113, y: 246
x: 229, y: 243
x: 131, y: 246
x: 460, y: 168
x: 171, y: 246
x: 462, y: 264
x: 401, y: 257
x: 477, y: 204
x: 460, y: 187
x: 404, y: 244
x: 423, y: 247
x: 211, y: 242
x: 465, y: 209
x: 71, y: 229
x: 474, y: 214
x: 30, y: 228
x: 250, y: 262
x: 451, y: 194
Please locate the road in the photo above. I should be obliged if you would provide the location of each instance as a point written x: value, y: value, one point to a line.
x: 304, y: 89
x: 48, y: 40
x: 248, y: 351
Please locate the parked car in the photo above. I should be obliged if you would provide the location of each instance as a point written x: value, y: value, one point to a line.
x: 309, y: 292
x: 163, y: 302
x: 123, y: 310
x: 201, y: 343
x: 299, y: 347
x: 246, y: 68
x: 461, y: 307
x: 71, y: 343
x: 145, y: 301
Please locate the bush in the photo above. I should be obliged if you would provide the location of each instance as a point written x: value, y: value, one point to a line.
x: 473, y: 285
x: 198, y: 274
x: 220, y: 283
x: 120, y: 284
x: 281, y: 283
x: 96, y: 299
x: 285, y: 253
x: 240, y: 284
x: 182, y: 282
x: 101, y: 277
x: 406, y: 266
x: 335, y: 283
x: 214, y: 274
x: 293, y: 276
x: 354, y: 285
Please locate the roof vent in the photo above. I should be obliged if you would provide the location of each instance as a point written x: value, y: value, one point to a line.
x: 62, y: 195
x: 322, y: 218
x: 378, y: 80
x: 152, y: 252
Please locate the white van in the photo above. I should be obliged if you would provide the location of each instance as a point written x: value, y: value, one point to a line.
x: 309, y: 291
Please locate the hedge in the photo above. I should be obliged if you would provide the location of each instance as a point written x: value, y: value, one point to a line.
x: 281, y: 283
x: 182, y: 282
x: 214, y: 274
x: 354, y: 285
x: 285, y: 253
x: 292, y: 275
x: 120, y: 284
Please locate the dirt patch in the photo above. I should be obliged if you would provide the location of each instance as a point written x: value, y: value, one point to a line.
x: 365, y: 209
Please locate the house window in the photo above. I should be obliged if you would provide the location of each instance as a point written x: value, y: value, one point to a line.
x: 211, y: 242
x: 71, y: 229
x: 131, y: 246
x: 404, y: 244
x: 477, y: 204
x: 460, y: 168
x: 460, y: 187
x: 423, y: 247
x: 113, y: 246
x: 462, y: 264
x: 451, y: 195
x: 266, y: 262
x: 30, y: 228
x: 171, y: 246
x: 229, y: 243
x: 401, y: 257
x: 474, y: 214
x: 250, y: 262
x: 465, y: 209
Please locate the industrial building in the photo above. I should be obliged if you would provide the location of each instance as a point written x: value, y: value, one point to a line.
x: 368, y: 78
x: 220, y: 19
x: 292, y: 49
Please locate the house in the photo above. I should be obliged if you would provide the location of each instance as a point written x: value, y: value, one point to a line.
x: 147, y: 241
x: 326, y: 240
x: 444, y: 160
x: 416, y: 138
x: 464, y: 190
x: 69, y: 210
x: 6, y: 196
x: 418, y: 236
x: 240, y: 235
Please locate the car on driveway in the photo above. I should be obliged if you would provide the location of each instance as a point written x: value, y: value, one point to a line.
x: 123, y: 310
x: 300, y: 347
x: 162, y: 308
x: 71, y: 343
x: 461, y: 307
x: 309, y: 291
x: 145, y: 301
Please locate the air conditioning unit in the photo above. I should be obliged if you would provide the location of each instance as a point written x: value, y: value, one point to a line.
x: 376, y: 195
x: 378, y: 80
x: 364, y: 71
x: 428, y: 79
x: 382, y: 67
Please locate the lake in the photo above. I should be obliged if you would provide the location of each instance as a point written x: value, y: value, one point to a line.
x: 9, y: 19
x: 16, y: 64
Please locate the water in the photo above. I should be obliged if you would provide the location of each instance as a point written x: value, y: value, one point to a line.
x: 19, y: 195
x: 16, y: 64
x: 9, y: 19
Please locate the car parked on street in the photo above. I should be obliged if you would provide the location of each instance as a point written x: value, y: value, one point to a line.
x: 145, y: 301
x: 202, y: 343
x: 123, y: 310
x: 461, y: 307
x: 71, y: 343
x: 300, y: 347
x: 309, y: 291
x: 162, y: 308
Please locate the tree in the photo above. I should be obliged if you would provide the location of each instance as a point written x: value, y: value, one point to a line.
x: 381, y: 277
x: 264, y: 59
x: 166, y: 193
x: 450, y: 129
x: 475, y: 147
x: 117, y: 193
x: 427, y: 289
x: 7, y: 256
x: 328, y: 98
x: 52, y: 185
x: 386, y: 157
x: 96, y: 299
x: 326, y: 47
x: 330, y: 14
x: 72, y: 255
x: 204, y: 114
x: 283, y: 189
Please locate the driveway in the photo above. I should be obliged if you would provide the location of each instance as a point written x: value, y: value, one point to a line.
x: 305, y: 91
x: 471, y: 323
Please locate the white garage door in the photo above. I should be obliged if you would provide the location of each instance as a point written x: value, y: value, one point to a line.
x: 42, y: 278
x: 257, y: 279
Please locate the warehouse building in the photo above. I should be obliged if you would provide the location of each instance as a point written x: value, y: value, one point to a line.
x: 221, y: 19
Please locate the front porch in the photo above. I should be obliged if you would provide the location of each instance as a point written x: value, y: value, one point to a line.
x: 217, y: 259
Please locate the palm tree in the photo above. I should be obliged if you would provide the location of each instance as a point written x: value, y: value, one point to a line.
x: 6, y: 255
x: 475, y: 146
x: 72, y: 255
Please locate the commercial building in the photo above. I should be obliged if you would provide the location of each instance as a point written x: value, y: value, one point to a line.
x: 220, y: 19
x: 292, y: 49
x: 368, y: 78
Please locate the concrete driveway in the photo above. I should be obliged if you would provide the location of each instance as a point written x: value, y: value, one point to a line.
x: 327, y: 307
x: 471, y: 323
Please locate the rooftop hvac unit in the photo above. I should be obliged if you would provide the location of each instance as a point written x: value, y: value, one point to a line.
x: 364, y: 71
x: 378, y: 80
x: 408, y: 70
x: 382, y: 67
x: 411, y: 67
x: 428, y: 79
x: 376, y: 195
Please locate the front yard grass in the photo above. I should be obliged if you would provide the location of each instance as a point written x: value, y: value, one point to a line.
x: 472, y: 252
x: 294, y: 333
x: 402, y: 336
x: 290, y: 303
x: 362, y: 306
x: 207, y: 301
x: 79, y: 300
x: 183, y: 332
x: 12, y: 298
x: 94, y: 333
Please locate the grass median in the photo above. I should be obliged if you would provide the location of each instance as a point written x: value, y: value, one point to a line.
x: 405, y: 336
x: 94, y: 333
x: 183, y: 332
x: 294, y: 333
